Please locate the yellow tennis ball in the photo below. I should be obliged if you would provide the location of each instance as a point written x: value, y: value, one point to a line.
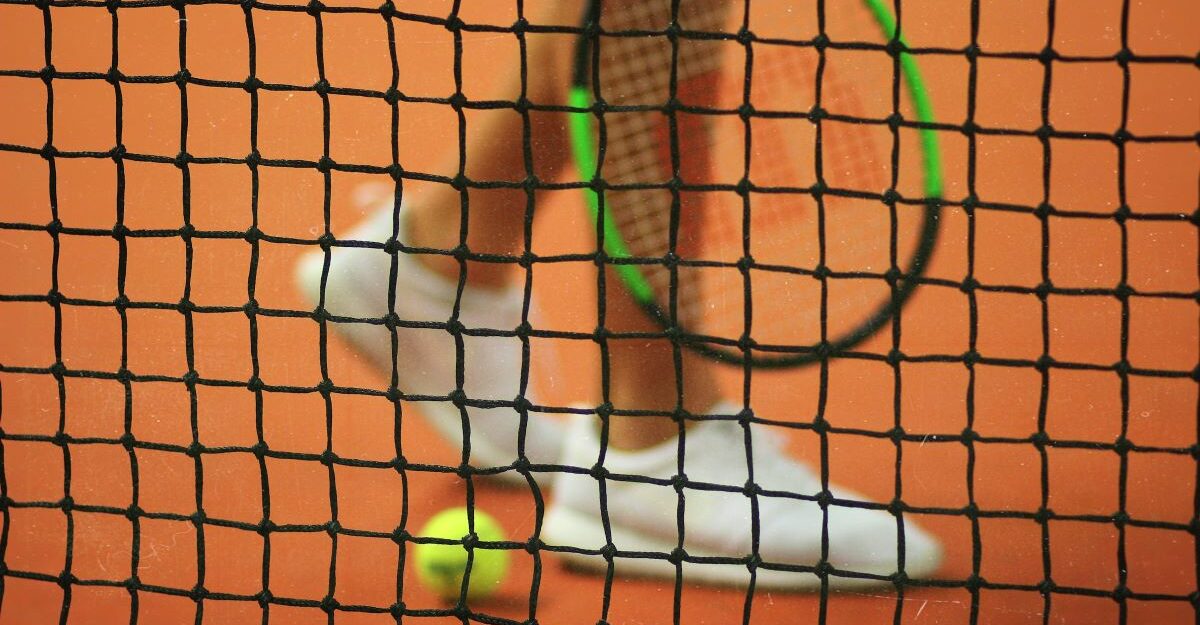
x: 441, y: 567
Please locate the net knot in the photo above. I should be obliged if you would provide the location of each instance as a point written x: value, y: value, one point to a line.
x: 1121, y: 137
x: 325, y: 164
x: 66, y: 579
x: 745, y: 36
x: 1047, y: 55
x: 329, y: 605
x: 970, y: 203
x: 820, y: 42
x: 321, y: 87
x: 251, y: 84
x: 608, y: 552
x: 264, y: 598
x: 895, y: 357
x: 393, y: 394
x: 744, y: 186
x: 182, y: 77
x: 392, y: 95
x: 598, y: 472
x: 254, y: 384
x: 314, y: 8
x: 895, y: 47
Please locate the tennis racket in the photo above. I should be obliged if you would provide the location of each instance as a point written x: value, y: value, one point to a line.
x: 757, y: 229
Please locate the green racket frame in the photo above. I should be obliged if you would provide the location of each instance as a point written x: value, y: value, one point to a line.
x: 585, y: 152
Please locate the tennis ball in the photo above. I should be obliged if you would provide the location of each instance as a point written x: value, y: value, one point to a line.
x: 441, y: 567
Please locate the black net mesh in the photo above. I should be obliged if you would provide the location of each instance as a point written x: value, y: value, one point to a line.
x: 184, y: 441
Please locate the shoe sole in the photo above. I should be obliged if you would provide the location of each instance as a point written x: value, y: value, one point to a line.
x: 565, y: 527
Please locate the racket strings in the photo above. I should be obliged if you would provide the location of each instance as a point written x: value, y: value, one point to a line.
x: 636, y: 71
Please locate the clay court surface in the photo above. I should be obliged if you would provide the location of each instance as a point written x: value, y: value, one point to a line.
x: 1083, y: 472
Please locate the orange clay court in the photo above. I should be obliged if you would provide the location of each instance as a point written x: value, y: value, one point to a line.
x: 180, y: 465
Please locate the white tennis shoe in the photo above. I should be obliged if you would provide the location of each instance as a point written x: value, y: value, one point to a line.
x: 643, y: 517
x: 357, y: 288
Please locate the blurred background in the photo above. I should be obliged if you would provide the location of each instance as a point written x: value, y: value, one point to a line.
x: 1064, y: 493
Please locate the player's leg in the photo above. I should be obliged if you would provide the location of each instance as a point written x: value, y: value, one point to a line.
x: 644, y: 375
x: 361, y: 285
